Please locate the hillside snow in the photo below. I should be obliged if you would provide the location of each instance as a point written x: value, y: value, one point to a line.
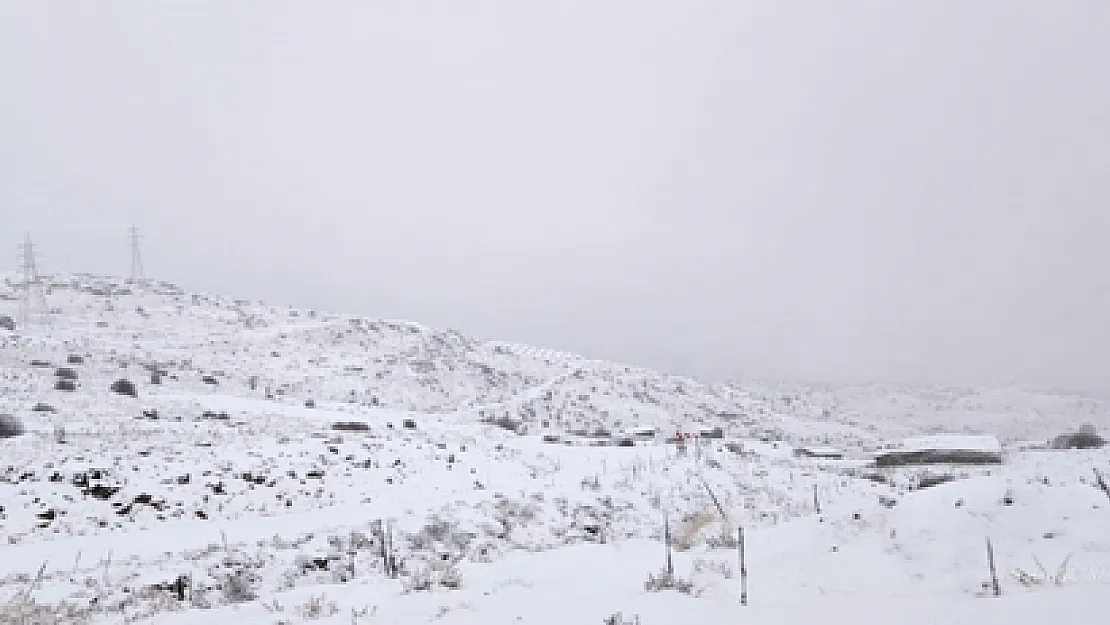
x: 272, y: 461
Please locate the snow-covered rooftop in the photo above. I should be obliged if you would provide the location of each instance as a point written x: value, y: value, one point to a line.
x: 953, y: 442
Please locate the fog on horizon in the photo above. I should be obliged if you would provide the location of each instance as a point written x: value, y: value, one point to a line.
x: 850, y: 191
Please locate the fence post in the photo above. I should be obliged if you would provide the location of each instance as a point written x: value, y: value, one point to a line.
x: 667, y: 540
x: 995, y: 588
x: 743, y: 567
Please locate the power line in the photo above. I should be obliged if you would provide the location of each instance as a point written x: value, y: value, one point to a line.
x: 136, y: 255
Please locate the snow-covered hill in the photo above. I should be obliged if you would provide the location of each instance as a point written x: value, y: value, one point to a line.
x: 271, y: 459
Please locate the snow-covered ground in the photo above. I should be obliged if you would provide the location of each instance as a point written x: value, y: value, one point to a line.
x: 273, y: 459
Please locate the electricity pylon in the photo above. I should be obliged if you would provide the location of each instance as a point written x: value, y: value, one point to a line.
x: 136, y: 255
x: 33, y: 294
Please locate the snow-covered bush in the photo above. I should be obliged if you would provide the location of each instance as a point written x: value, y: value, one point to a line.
x: 1042, y: 577
x: 427, y: 575
x: 665, y: 580
x: 317, y: 607
x: 724, y: 569
x: 240, y: 585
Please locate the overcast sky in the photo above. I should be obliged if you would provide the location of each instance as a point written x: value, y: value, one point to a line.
x: 842, y: 191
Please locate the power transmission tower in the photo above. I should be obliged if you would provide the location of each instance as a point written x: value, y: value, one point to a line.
x: 33, y: 295
x: 136, y: 255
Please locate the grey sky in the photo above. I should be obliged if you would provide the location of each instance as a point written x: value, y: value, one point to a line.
x: 843, y: 191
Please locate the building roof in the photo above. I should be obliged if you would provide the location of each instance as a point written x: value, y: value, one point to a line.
x: 952, y: 442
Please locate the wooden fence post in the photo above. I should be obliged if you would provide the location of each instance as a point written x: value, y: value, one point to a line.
x: 667, y: 540
x: 995, y: 588
x: 1101, y: 483
x: 743, y: 567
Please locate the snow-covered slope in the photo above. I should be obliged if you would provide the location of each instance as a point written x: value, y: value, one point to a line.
x: 270, y: 456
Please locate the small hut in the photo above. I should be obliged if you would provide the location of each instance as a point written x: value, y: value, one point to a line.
x: 1085, y: 438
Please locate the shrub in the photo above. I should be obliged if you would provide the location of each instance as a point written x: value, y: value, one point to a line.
x: 317, y: 607
x: 506, y: 423
x: 65, y: 373
x: 351, y: 426
x: 240, y: 586
x: 724, y: 569
x: 667, y: 581
x: 1042, y: 578
x: 124, y: 387
x: 425, y: 576
x: 10, y: 427
x: 929, y: 480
